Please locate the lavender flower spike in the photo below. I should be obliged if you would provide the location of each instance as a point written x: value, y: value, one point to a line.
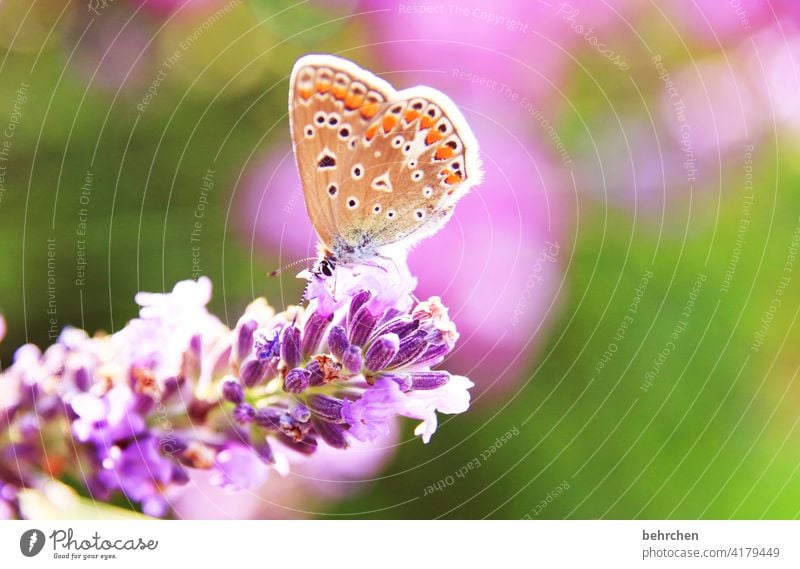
x: 176, y: 391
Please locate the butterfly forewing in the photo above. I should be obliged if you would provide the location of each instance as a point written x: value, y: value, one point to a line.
x: 378, y: 167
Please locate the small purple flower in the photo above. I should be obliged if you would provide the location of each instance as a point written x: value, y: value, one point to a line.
x: 369, y: 416
x: 140, y: 471
x: 381, y: 352
x: 107, y: 419
x: 238, y: 467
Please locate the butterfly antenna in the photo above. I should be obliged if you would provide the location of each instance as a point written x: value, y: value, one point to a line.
x: 277, y: 272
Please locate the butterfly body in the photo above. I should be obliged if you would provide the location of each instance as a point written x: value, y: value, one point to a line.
x: 379, y: 168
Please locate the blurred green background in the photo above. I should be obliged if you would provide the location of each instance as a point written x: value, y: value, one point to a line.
x: 694, y: 413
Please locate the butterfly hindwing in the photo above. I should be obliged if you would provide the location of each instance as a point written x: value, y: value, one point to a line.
x: 378, y: 166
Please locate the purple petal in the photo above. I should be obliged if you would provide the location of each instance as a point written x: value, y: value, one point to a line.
x: 331, y: 433
x: 244, y: 344
x: 381, y: 352
x: 432, y: 356
x: 361, y: 326
x: 268, y: 417
x: 428, y: 379
x: 290, y: 347
x: 410, y: 349
x: 352, y: 359
x: 358, y: 300
x: 337, y: 341
x: 254, y: 371
x: 313, y: 332
x: 243, y: 413
x: 239, y: 468
x: 329, y: 408
x: 232, y: 391
x: 296, y: 380
x: 400, y: 326
x: 369, y: 416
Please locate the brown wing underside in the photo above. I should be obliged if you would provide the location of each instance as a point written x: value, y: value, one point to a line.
x: 375, y: 164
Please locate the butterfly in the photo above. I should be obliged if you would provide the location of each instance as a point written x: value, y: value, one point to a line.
x: 379, y: 168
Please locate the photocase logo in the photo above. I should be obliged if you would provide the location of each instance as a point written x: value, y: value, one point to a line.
x: 31, y: 542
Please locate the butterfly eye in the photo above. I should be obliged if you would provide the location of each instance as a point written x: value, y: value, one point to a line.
x: 333, y: 190
x: 309, y: 131
x: 427, y: 191
x: 358, y: 172
x: 352, y: 203
x: 397, y: 141
x: 319, y: 118
x: 344, y: 132
x: 412, y: 164
x: 417, y: 175
x: 419, y: 214
x: 407, y: 148
x: 377, y: 208
x: 333, y: 120
x: 390, y: 214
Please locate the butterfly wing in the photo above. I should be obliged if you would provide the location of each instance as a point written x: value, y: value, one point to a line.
x: 378, y: 167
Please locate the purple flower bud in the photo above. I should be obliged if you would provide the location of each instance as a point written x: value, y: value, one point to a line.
x: 243, y: 413
x: 264, y: 452
x: 82, y: 379
x: 253, y: 371
x: 306, y: 445
x: 296, y: 380
x: 317, y: 377
x: 232, y: 391
x: 428, y: 379
x: 352, y: 359
x: 411, y: 348
x: 244, y: 343
x: 313, y: 332
x: 381, y: 352
x: 400, y: 326
x: 328, y: 408
x: 331, y: 433
x: 432, y: 355
x: 179, y: 475
x: 301, y: 413
x: 359, y: 299
x: 268, y: 417
x: 361, y: 326
x: 337, y: 341
x: 403, y: 380
x: 290, y: 347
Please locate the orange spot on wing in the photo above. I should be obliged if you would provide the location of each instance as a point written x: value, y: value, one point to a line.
x: 353, y: 100
x: 452, y: 179
x: 305, y: 92
x: 433, y: 136
x: 339, y: 91
x: 425, y: 122
x: 388, y: 122
x: 371, y: 131
x: 370, y: 110
x: 444, y: 152
x: 411, y: 116
x: 323, y: 85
